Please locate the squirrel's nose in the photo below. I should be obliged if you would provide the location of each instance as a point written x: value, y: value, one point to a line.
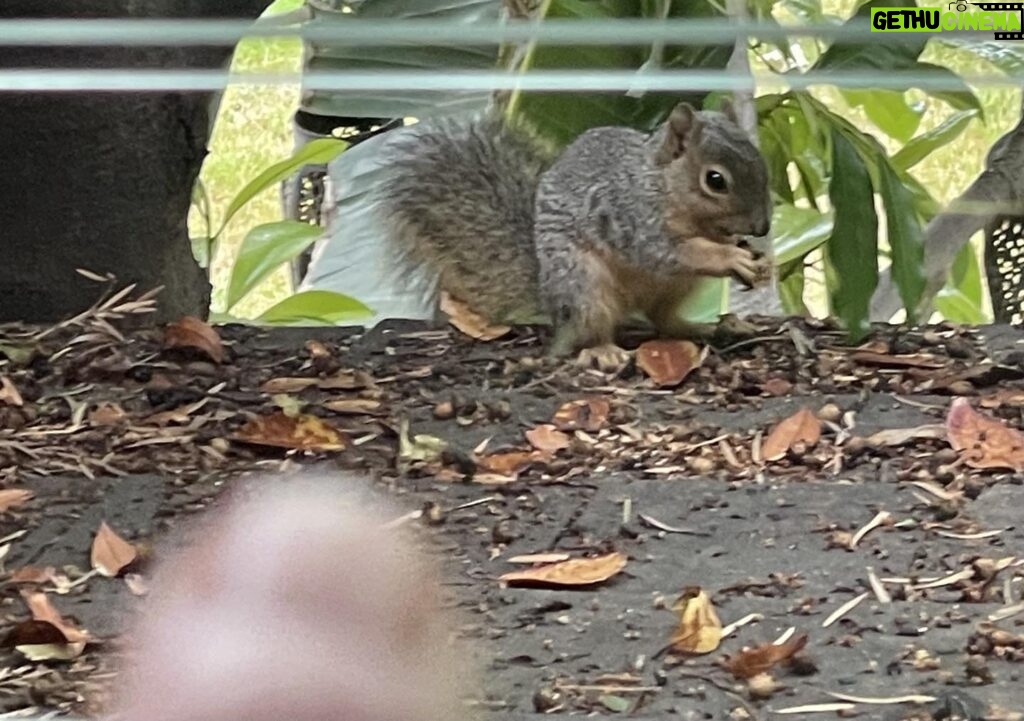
x: 762, y: 227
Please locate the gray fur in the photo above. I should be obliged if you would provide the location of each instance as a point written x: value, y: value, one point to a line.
x: 510, y: 232
x: 461, y: 203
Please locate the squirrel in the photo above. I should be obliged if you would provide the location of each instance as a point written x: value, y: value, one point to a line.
x: 619, y: 223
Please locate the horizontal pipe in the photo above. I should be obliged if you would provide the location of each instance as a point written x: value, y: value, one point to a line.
x: 193, y: 33
x: 612, y: 81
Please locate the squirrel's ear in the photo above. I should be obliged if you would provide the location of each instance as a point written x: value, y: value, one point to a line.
x: 678, y: 129
x: 728, y: 110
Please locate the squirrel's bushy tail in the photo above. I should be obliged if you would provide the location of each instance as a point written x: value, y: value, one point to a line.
x: 459, y: 202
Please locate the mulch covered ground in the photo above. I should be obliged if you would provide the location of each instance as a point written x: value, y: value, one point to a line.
x: 860, y: 544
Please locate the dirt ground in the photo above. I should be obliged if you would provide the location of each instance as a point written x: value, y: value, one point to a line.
x: 863, y: 524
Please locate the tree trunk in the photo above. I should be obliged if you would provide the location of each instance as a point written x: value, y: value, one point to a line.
x: 103, y: 181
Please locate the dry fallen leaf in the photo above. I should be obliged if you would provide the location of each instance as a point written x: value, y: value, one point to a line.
x: 777, y: 387
x: 347, y: 380
x: 667, y: 362
x: 801, y: 427
x: 534, y: 558
x: 288, y: 385
x: 751, y: 662
x: 47, y: 636
x: 547, y: 438
x: 302, y: 432
x: 470, y: 322
x: 9, y: 394
x: 582, y: 415
x: 111, y: 554
x: 420, y: 447
x: 983, y: 441
x: 353, y: 406
x: 1003, y: 397
x: 915, y: 360
x: 574, y: 572
x: 33, y: 574
x: 190, y: 332
x: 13, y: 497
x: 901, y: 436
x: 699, y: 630
x: 507, y: 464
x: 107, y: 414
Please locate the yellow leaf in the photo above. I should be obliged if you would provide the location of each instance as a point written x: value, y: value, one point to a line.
x: 699, y: 629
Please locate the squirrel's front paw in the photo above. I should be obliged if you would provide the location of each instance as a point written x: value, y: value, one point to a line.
x: 748, y: 268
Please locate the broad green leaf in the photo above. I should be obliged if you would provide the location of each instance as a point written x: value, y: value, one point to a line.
x: 904, y: 233
x: 775, y: 148
x: 807, y: 10
x: 898, y: 52
x: 888, y: 110
x: 708, y: 302
x: 561, y: 117
x: 963, y: 99
x: 965, y: 275
x: 852, y: 250
x: 926, y: 143
x: 958, y: 308
x: 1008, y: 57
x: 315, y: 152
x: 315, y: 307
x: 791, y: 288
x: 263, y: 250
x: 283, y: 6
x: 797, y: 232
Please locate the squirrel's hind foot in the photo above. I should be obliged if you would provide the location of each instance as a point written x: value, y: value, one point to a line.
x: 607, y: 358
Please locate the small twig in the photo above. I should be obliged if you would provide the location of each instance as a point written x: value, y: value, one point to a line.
x: 844, y: 609
x: 916, y: 404
x: 749, y: 342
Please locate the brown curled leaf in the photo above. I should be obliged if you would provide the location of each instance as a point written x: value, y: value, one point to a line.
x: 574, y: 572
x: 801, y: 427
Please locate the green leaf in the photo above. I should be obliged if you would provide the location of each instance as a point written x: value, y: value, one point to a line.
x: 561, y: 117
x: 617, y: 704
x: 852, y: 250
x: 961, y: 299
x: 708, y: 301
x: 888, y: 110
x: 965, y: 275
x: 315, y: 307
x: 798, y: 231
x: 857, y: 55
x: 926, y: 143
x: 958, y: 308
x: 315, y: 152
x: 791, y: 288
x: 1007, y: 57
x: 900, y: 52
x: 263, y: 250
x: 904, y: 233
x: 962, y: 99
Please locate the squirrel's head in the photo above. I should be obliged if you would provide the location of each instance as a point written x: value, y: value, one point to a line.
x: 716, y: 178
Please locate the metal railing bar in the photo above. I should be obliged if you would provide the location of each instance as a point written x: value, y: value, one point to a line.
x: 192, y: 33
x: 124, y: 80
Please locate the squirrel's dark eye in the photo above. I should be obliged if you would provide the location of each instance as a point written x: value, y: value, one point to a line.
x: 716, y: 182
